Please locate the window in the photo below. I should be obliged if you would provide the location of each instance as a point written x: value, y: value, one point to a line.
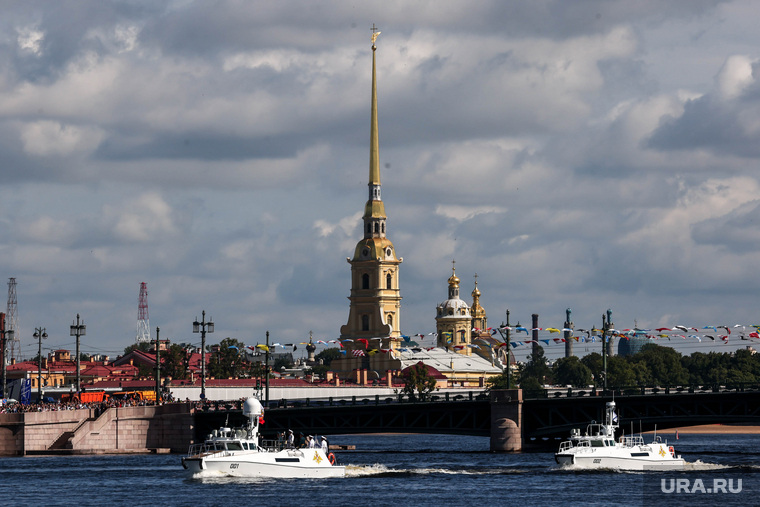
x: 388, y: 281
x: 390, y: 320
x: 365, y: 281
x: 365, y: 322
x: 377, y: 227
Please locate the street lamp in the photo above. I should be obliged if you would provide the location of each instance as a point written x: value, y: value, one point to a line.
x: 40, y: 334
x: 203, y: 327
x: 78, y: 329
x: 504, y: 331
x: 4, y: 337
x: 158, y: 366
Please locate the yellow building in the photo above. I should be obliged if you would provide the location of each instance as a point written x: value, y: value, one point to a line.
x: 375, y: 302
x: 453, y: 321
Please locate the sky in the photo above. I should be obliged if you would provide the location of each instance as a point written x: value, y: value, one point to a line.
x: 589, y: 155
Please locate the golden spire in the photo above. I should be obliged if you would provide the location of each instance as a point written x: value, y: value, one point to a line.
x: 374, y: 144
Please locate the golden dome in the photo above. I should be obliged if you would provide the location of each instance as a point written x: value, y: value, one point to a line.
x: 453, y: 279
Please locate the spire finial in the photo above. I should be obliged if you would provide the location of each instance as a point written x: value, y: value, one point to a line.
x: 375, y: 33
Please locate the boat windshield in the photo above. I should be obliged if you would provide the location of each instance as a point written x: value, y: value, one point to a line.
x: 234, y: 446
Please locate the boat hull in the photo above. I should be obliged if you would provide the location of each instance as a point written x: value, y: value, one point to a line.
x: 617, y: 462
x: 308, y: 464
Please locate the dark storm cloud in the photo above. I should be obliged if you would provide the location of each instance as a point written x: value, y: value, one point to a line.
x: 711, y: 124
x: 737, y: 231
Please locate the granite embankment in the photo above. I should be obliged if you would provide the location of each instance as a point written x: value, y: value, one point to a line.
x: 163, y: 428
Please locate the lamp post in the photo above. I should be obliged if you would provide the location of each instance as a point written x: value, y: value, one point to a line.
x: 605, y: 326
x: 266, y: 379
x: 158, y: 367
x: 40, y: 334
x: 4, y: 336
x: 203, y: 327
x: 78, y: 330
x: 504, y: 331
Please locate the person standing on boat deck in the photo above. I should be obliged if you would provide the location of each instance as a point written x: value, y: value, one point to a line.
x: 291, y: 439
x: 312, y: 442
x: 325, y: 445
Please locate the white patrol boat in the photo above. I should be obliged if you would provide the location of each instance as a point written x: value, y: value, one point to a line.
x: 597, y: 448
x: 236, y: 452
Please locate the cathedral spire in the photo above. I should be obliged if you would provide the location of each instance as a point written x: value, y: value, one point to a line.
x: 374, y: 143
x: 375, y: 298
x: 374, y: 211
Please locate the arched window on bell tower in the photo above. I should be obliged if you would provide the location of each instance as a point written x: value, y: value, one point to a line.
x: 389, y: 318
x: 365, y: 322
x: 388, y: 281
x: 365, y: 281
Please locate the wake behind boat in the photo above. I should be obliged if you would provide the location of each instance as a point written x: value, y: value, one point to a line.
x: 597, y: 448
x: 236, y: 452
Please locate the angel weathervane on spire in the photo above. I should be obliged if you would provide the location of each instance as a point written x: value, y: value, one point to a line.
x: 375, y: 33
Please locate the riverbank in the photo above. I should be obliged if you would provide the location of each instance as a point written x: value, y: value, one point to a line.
x: 725, y: 429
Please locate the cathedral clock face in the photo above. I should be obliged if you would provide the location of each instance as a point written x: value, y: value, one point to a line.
x: 365, y: 252
x: 388, y: 252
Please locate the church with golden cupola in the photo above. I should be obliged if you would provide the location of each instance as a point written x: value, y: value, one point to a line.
x: 375, y: 300
x: 371, y: 339
x: 453, y: 320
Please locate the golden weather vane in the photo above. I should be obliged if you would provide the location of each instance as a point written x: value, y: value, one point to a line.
x: 375, y: 33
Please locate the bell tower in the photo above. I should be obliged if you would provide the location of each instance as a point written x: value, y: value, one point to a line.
x: 375, y: 300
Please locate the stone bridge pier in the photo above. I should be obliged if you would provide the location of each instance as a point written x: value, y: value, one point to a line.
x: 506, y: 420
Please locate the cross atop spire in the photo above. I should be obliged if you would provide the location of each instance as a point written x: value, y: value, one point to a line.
x: 375, y: 33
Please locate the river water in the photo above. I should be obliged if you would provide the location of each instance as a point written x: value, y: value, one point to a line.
x: 417, y: 470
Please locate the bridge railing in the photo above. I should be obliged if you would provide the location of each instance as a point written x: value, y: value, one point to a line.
x: 578, y: 392
x: 379, y: 400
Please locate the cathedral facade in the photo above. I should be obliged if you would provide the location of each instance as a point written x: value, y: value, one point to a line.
x: 374, y: 317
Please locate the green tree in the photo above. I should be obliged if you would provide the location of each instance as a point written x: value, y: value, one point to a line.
x: 141, y: 346
x: 537, y: 368
x: 418, y: 382
x: 173, y: 362
x: 571, y: 371
x: 227, y: 361
x: 327, y: 356
x: 663, y: 363
x: 500, y: 381
x: 595, y: 363
x: 620, y: 372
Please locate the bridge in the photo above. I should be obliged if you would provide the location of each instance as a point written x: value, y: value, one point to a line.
x: 512, y: 422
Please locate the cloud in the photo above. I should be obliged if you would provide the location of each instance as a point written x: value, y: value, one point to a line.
x: 590, y: 155
x: 48, y: 138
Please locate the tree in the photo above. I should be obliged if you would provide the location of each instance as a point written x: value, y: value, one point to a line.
x: 620, y: 373
x: 227, y: 361
x: 536, y: 368
x: 173, y: 362
x: 663, y: 363
x: 595, y: 363
x: 327, y: 356
x: 141, y: 346
x: 418, y: 382
x: 571, y: 371
x: 500, y: 381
